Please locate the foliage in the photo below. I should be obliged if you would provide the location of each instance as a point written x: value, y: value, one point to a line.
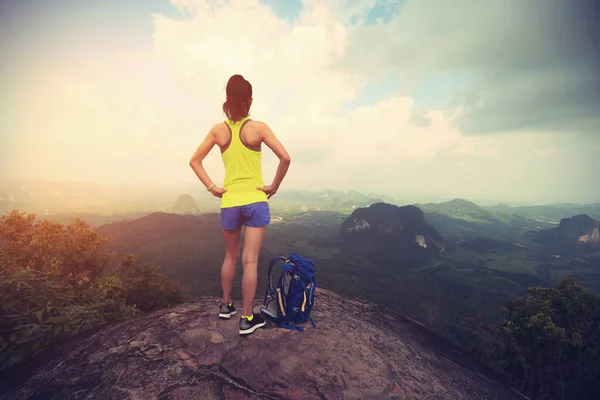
x: 36, y: 310
x: 145, y: 287
x: 74, y: 250
x: 548, y: 342
x: 52, y: 285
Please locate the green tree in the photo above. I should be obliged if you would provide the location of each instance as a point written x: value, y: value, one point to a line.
x: 548, y: 342
x: 72, y: 252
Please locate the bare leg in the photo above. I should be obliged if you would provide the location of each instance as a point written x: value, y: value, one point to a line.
x: 253, y: 241
x: 232, y: 253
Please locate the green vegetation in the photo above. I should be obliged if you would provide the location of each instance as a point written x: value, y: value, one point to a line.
x: 52, y: 285
x: 490, y: 258
x: 548, y: 342
x: 476, y: 274
x: 551, y: 213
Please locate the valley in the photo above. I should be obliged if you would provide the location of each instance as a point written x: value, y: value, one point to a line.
x: 459, y: 269
x: 488, y: 257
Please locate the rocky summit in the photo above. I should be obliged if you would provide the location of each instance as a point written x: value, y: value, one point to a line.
x: 405, y: 227
x: 358, y: 351
x: 578, y: 232
x: 185, y: 204
x: 579, y: 229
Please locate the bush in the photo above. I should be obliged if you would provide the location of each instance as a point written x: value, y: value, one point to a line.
x: 145, y: 287
x: 548, y: 342
x: 52, y: 285
x: 36, y: 311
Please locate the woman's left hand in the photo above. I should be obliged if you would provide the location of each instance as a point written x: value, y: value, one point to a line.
x: 217, y: 191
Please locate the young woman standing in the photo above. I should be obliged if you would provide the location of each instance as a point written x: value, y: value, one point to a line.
x: 244, y: 197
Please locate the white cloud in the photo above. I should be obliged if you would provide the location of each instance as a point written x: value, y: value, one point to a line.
x: 527, y: 74
x: 138, y: 116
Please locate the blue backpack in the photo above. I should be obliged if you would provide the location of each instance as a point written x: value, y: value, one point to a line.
x: 289, y: 300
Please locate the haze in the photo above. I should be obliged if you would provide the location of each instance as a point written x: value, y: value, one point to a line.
x: 477, y: 100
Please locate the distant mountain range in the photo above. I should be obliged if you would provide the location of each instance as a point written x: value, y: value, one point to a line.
x: 550, y: 212
x: 56, y: 198
x: 332, y: 198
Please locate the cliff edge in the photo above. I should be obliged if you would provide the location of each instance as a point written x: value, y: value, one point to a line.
x: 358, y: 351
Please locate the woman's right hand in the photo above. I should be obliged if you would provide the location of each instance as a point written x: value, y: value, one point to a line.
x: 270, y: 190
x: 217, y: 191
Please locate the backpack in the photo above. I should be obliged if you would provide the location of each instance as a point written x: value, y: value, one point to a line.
x: 289, y: 300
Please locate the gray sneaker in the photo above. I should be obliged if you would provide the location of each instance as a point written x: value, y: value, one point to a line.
x: 226, y: 311
x: 247, y: 327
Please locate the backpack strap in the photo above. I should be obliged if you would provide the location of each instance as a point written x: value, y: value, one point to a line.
x: 292, y: 326
x: 269, y: 289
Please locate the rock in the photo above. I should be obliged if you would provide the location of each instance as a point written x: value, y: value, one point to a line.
x: 403, y: 228
x: 577, y: 233
x: 185, y: 204
x: 358, y: 351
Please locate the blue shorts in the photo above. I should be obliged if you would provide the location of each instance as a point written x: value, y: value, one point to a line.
x: 255, y: 215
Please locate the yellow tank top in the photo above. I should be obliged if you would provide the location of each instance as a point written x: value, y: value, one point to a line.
x: 243, y: 171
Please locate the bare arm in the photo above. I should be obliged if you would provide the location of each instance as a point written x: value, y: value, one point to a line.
x: 284, y: 158
x: 199, y: 156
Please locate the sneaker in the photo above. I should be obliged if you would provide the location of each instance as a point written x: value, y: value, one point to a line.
x: 226, y: 311
x: 247, y: 327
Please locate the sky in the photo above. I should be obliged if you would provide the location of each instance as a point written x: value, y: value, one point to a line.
x: 473, y: 99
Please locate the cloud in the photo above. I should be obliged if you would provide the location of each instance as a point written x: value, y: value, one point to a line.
x: 532, y: 64
x: 136, y: 116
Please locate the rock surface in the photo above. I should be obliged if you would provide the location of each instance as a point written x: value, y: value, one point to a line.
x: 578, y: 232
x: 358, y: 351
x: 405, y: 228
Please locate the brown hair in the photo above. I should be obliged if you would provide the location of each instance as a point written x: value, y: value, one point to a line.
x: 239, y: 98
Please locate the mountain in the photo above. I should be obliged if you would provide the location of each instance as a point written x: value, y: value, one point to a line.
x: 549, y: 213
x: 185, y: 204
x: 331, y: 198
x: 461, y: 219
x: 578, y: 232
x: 462, y: 209
x: 358, y: 350
x: 189, y: 248
x: 404, y: 227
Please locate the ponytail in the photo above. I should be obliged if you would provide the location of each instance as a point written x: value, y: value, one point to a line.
x: 239, y: 98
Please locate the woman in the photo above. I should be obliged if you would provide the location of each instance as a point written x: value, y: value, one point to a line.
x: 244, y: 198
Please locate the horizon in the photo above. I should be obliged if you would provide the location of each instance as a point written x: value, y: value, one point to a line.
x: 175, y: 190
x: 121, y: 94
